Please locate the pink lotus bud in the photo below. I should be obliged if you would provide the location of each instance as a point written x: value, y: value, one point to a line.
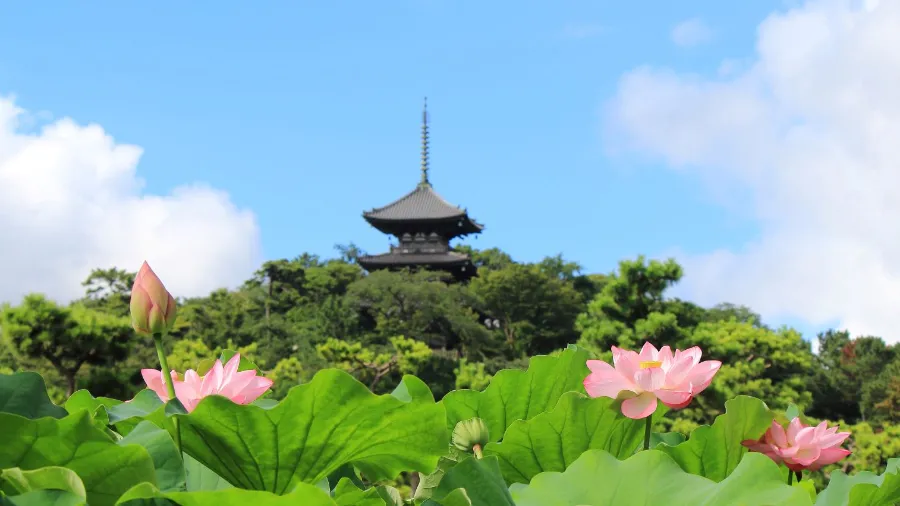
x: 153, y: 309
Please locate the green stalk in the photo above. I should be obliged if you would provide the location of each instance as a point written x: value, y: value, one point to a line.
x: 170, y: 386
x: 790, y: 477
x: 647, y: 431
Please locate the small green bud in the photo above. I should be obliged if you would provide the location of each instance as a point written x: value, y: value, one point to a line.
x: 471, y: 436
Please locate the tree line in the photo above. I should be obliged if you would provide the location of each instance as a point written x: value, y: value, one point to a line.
x: 297, y: 316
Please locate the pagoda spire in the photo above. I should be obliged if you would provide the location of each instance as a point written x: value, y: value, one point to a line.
x: 425, y: 181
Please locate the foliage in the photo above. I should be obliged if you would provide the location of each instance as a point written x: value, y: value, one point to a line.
x: 66, y: 337
x: 330, y: 441
x: 554, y: 439
x: 329, y: 335
x: 755, y: 482
x: 405, y: 356
x: 471, y: 375
x: 541, y: 317
x: 755, y: 361
x: 631, y: 308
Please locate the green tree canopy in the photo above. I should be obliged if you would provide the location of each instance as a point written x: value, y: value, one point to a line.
x: 66, y: 337
x: 536, y: 306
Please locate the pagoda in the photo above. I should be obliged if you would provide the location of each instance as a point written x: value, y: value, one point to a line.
x: 423, y: 223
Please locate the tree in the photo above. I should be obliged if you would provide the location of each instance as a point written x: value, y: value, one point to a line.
x: 536, y: 306
x: 768, y: 364
x: 560, y: 268
x: 471, y: 375
x: 349, y: 252
x: 631, y: 309
x: 109, y: 290
x: 286, y: 374
x: 66, y: 337
x: 880, y: 401
x: 726, y: 311
x: 371, y: 364
x: 421, y: 306
x: 221, y: 317
x: 844, y: 366
x: 486, y: 259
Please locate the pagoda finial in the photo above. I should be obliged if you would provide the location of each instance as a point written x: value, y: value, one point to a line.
x: 425, y: 181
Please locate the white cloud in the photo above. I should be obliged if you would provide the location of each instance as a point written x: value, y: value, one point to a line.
x: 691, y: 32
x: 70, y: 201
x: 811, y: 132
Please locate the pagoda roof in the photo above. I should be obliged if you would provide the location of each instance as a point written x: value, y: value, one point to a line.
x: 421, y: 204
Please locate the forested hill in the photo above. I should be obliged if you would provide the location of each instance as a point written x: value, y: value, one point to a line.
x: 295, y: 317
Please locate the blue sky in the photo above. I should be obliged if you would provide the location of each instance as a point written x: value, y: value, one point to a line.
x: 308, y: 113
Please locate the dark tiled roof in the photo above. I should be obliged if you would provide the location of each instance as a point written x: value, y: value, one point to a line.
x: 423, y: 203
x: 450, y: 257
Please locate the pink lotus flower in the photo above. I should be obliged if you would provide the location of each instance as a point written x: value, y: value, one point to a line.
x: 242, y: 387
x: 801, y: 447
x: 153, y: 308
x: 641, y: 379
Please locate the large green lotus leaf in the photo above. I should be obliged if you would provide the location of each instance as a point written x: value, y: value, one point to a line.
x: 301, y: 495
x: 15, y: 481
x: 514, y: 394
x: 106, y: 469
x: 320, y: 426
x: 715, y: 451
x: 170, y: 472
x: 97, y: 406
x: 481, y: 480
x: 199, y: 477
x: 458, y: 497
x: 652, y: 477
x: 553, y: 440
x: 25, y: 394
x: 863, y: 489
x: 43, y: 498
x: 146, y: 405
x: 429, y: 482
x: 346, y: 493
x: 666, y: 438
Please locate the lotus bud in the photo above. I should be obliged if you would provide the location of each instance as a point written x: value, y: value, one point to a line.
x: 153, y: 308
x: 470, y: 436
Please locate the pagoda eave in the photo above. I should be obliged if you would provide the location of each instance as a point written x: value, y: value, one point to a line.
x: 413, y: 259
x: 457, y: 264
x: 452, y: 227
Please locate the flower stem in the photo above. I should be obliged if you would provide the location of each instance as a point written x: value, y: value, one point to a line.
x: 647, y: 431
x: 799, y: 476
x: 170, y: 386
x: 790, y: 476
x: 477, y: 450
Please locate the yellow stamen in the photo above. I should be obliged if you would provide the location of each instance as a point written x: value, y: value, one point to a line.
x: 650, y: 364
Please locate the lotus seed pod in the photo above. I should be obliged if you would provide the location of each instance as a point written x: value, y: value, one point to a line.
x: 470, y: 433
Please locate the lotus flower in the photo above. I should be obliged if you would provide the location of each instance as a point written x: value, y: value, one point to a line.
x: 242, y: 387
x: 153, y: 308
x: 801, y: 447
x: 642, y: 378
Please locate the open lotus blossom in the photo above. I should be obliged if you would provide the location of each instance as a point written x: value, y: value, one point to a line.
x: 242, y: 387
x: 642, y: 378
x: 801, y: 447
x: 153, y: 308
